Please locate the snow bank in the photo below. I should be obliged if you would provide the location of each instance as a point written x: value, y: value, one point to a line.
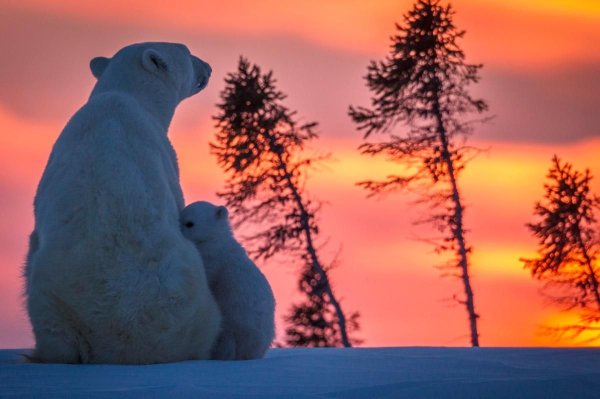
x: 324, y: 373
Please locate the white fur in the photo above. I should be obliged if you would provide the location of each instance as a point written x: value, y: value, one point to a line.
x: 109, y: 276
x: 241, y: 290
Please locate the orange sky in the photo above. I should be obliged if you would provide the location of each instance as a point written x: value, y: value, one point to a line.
x: 541, y: 58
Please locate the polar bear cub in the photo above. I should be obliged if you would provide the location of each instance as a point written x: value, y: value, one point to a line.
x: 110, y: 278
x: 241, y: 290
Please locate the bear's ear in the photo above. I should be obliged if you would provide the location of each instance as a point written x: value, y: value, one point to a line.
x: 153, y: 61
x: 221, y: 212
x: 98, y: 65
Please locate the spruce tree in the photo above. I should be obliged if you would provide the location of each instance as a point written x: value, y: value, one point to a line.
x: 259, y: 144
x: 568, y: 245
x: 422, y: 86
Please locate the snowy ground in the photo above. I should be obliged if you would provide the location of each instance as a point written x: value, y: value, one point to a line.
x: 324, y: 373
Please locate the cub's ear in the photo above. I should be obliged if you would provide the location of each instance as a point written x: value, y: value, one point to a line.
x: 98, y: 65
x: 153, y: 61
x: 222, y: 212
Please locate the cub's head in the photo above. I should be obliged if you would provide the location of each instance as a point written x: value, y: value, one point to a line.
x: 205, y: 223
x: 152, y: 67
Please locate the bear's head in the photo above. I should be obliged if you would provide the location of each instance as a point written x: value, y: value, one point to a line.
x: 205, y: 223
x: 163, y: 73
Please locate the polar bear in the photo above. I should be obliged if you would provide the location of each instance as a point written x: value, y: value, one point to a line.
x: 109, y: 277
x: 241, y: 290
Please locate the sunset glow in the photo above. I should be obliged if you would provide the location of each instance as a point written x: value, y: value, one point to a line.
x: 319, y: 51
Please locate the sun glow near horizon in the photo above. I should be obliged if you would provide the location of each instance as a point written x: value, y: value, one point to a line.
x: 500, y: 188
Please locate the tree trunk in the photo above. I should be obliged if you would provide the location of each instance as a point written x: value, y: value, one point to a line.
x: 315, y: 263
x: 458, y: 231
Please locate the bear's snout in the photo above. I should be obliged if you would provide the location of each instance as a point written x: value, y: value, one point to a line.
x: 202, y: 72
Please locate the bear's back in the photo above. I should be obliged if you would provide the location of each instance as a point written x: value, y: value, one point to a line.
x: 109, y: 276
x: 245, y: 298
x: 109, y: 158
x: 240, y: 286
x: 111, y: 259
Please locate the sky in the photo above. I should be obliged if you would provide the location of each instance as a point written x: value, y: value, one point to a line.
x: 541, y: 62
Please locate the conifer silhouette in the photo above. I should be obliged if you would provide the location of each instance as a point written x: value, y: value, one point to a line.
x: 259, y: 144
x: 422, y: 86
x: 568, y: 245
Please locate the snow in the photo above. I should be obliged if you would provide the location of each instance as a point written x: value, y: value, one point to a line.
x: 324, y: 373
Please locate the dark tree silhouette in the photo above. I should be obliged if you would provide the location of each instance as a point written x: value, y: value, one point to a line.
x: 422, y: 85
x: 313, y: 322
x: 568, y: 244
x: 258, y: 144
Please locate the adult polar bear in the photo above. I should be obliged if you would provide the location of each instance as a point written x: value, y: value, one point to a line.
x: 109, y: 276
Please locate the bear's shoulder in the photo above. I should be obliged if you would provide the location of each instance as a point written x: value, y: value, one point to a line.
x: 109, y: 114
x: 112, y: 105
